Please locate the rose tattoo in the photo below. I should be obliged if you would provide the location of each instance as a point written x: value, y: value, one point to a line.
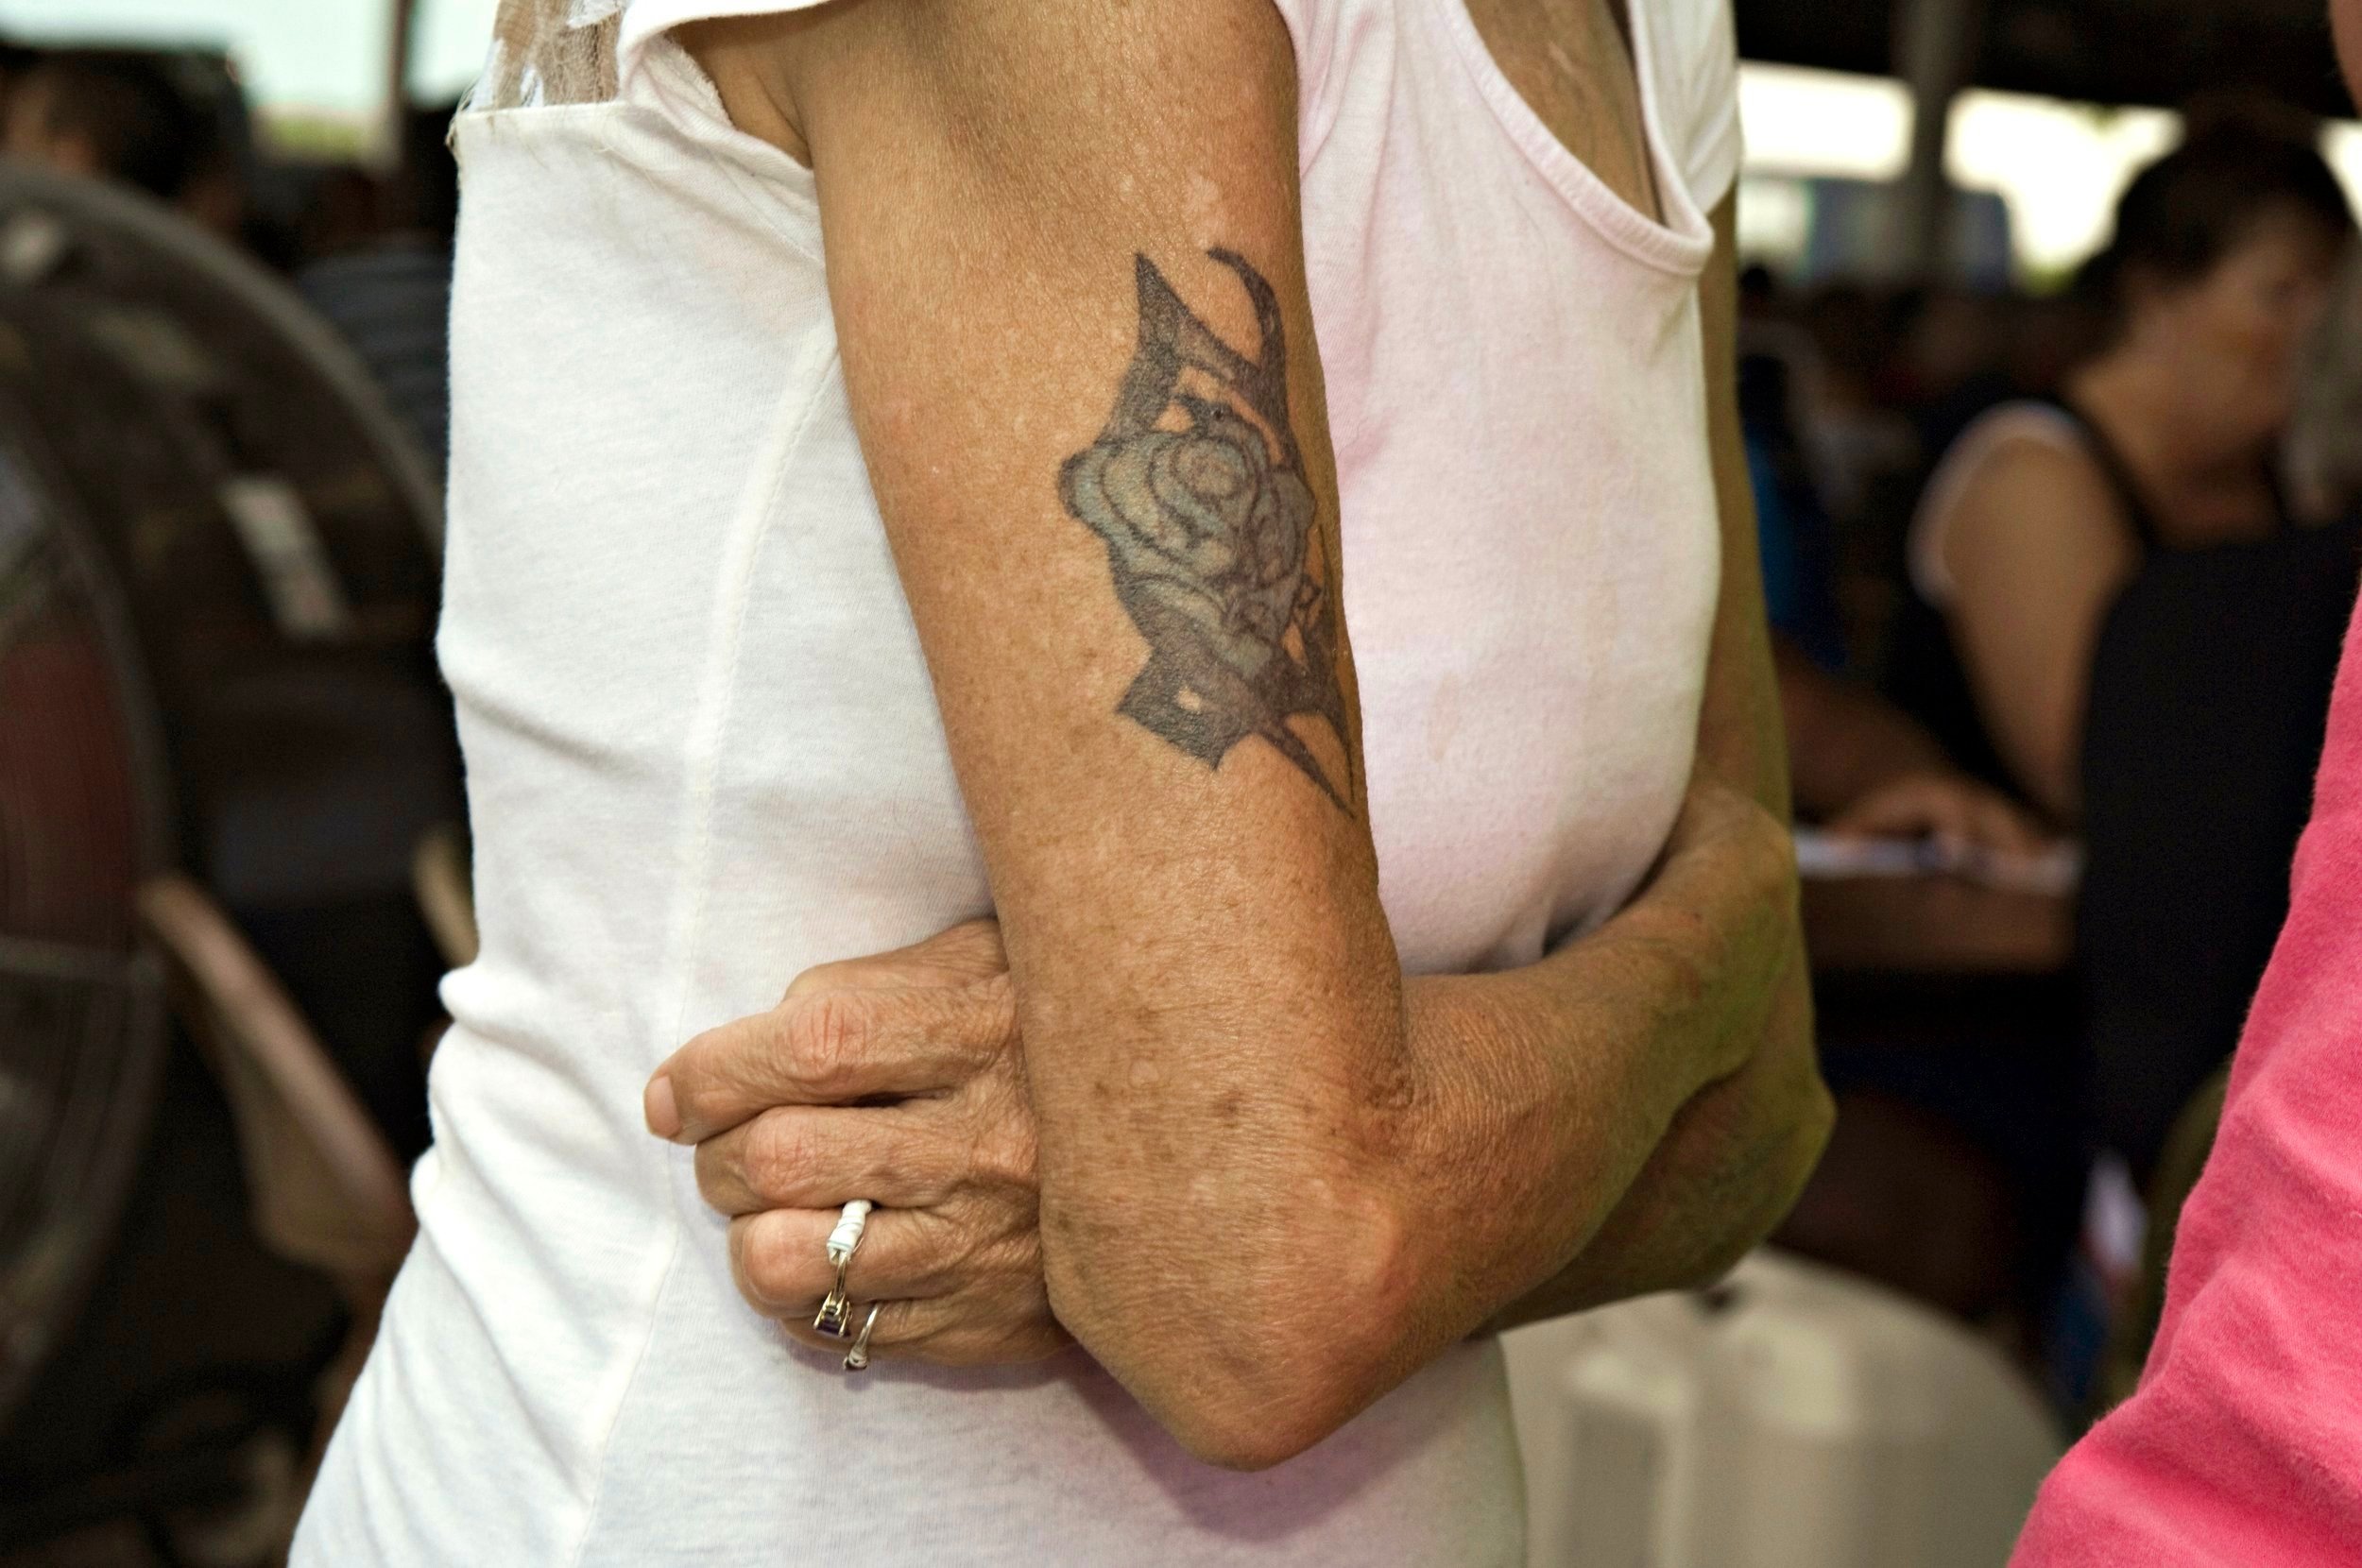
x: 1198, y: 487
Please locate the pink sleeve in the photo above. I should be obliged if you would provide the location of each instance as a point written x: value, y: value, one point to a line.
x: 2243, y: 1444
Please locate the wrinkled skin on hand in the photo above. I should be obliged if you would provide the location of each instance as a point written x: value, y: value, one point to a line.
x: 898, y: 1078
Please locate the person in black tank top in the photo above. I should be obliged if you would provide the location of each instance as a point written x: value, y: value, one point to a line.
x: 1924, y: 675
x: 2166, y: 501
x: 2223, y: 261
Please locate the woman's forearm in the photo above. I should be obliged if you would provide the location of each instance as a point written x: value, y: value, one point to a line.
x: 1632, y: 1111
x: 1315, y: 1243
x: 1728, y: 1170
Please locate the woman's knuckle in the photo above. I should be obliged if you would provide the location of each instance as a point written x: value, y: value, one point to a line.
x: 1012, y: 1160
x: 820, y: 976
x: 1017, y: 1258
x: 826, y: 1036
x: 777, y: 1157
x: 996, y: 995
x: 1002, y: 1152
x: 698, y: 1093
x: 773, y: 1265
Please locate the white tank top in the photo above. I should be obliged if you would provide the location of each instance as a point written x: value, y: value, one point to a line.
x: 703, y: 753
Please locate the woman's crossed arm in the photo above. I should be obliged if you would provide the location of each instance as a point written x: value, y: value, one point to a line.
x: 1067, y: 268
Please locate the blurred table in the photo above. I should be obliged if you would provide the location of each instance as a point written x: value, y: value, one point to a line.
x: 1934, y: 926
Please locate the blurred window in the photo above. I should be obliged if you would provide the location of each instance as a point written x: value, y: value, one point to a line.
x: 2041, y: 175
x: 315, y: 69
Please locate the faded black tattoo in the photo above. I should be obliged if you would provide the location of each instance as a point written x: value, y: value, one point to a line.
x: 1198, y: 486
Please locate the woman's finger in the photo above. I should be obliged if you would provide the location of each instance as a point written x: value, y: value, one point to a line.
x: 831, y: 1048
x: 966, y: 952
x: 945, y: 1330
x: 2003, y: 827
x: 907, y: 1155
x: 780, y: 1259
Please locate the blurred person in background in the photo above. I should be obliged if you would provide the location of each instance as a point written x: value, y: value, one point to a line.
x: 2123, y: 605
x: 16, y: 62
x: 2324, y: 449
x: 1861, y: 766
x: 1865, y: 769
x: 130, y: 116
x: 2164, y: 439
x: 385, y: 284
x: 1944, y: 1175
x: 2243, y: 1443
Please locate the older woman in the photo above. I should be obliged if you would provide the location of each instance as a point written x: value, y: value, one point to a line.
x: 892, y: 479
x: 2164, y: 439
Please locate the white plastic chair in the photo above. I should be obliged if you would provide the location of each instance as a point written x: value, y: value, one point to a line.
x: 1796, y: 1417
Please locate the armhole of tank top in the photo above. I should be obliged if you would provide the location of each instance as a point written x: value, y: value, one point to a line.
x: 1311, y: 35
x: 1975, y: 446
x: 1709, y: 142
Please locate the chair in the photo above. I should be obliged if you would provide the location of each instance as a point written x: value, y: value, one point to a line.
x: 326, y: 1190
x: 443, y: 880
x: 1792, y: 1417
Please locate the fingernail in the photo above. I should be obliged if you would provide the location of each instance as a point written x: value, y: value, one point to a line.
x: 663, y: 1114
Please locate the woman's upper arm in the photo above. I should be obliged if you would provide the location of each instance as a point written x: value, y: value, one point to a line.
x: 2036, y: 551
x: 1067, y: 266
x: 1740, y: 737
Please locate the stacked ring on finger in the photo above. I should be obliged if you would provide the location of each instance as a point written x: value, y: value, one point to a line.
x: 835, y: 1318
x: 857, y: 1359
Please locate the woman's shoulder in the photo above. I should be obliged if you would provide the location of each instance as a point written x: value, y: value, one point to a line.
x: 2028, y: 462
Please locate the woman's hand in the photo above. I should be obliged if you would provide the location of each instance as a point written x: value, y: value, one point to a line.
x: 898, y: 1079
x: 1654, y: 1078
x: 1961, y: 814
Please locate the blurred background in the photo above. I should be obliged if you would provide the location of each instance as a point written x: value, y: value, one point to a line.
x: 2053, y: 741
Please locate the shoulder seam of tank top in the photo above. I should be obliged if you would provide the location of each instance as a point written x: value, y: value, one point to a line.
x: 644, y: 20
x: 778, y: 194
x: 1312, y: 46
x: 1680, y: 247
x: 703, y: 747
x: 781, y: 182
x: 2024, y: 420
x: 1670, y: 163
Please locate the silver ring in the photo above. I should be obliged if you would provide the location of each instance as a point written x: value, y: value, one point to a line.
x: 835, y: 1318
x: 857, y: 1358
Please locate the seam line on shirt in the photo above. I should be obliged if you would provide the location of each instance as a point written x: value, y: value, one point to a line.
x: 805, y: 383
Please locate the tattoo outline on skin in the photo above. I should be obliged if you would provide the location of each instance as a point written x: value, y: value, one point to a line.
x: 1198, y: 487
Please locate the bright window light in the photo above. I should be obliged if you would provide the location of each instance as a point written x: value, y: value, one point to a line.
x: 1801, y: 121
x: 321, y: 57
x: 312, y: 59
x: 447, y: 47
x: 2060, y: 167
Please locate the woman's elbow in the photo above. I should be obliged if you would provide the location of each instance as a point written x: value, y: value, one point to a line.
x: 1251, y: 1435
x: 1250, y: 1355
x: 1252, y: 1400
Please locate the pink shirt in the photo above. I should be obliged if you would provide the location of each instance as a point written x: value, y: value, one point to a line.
x: 2243, y: 1444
